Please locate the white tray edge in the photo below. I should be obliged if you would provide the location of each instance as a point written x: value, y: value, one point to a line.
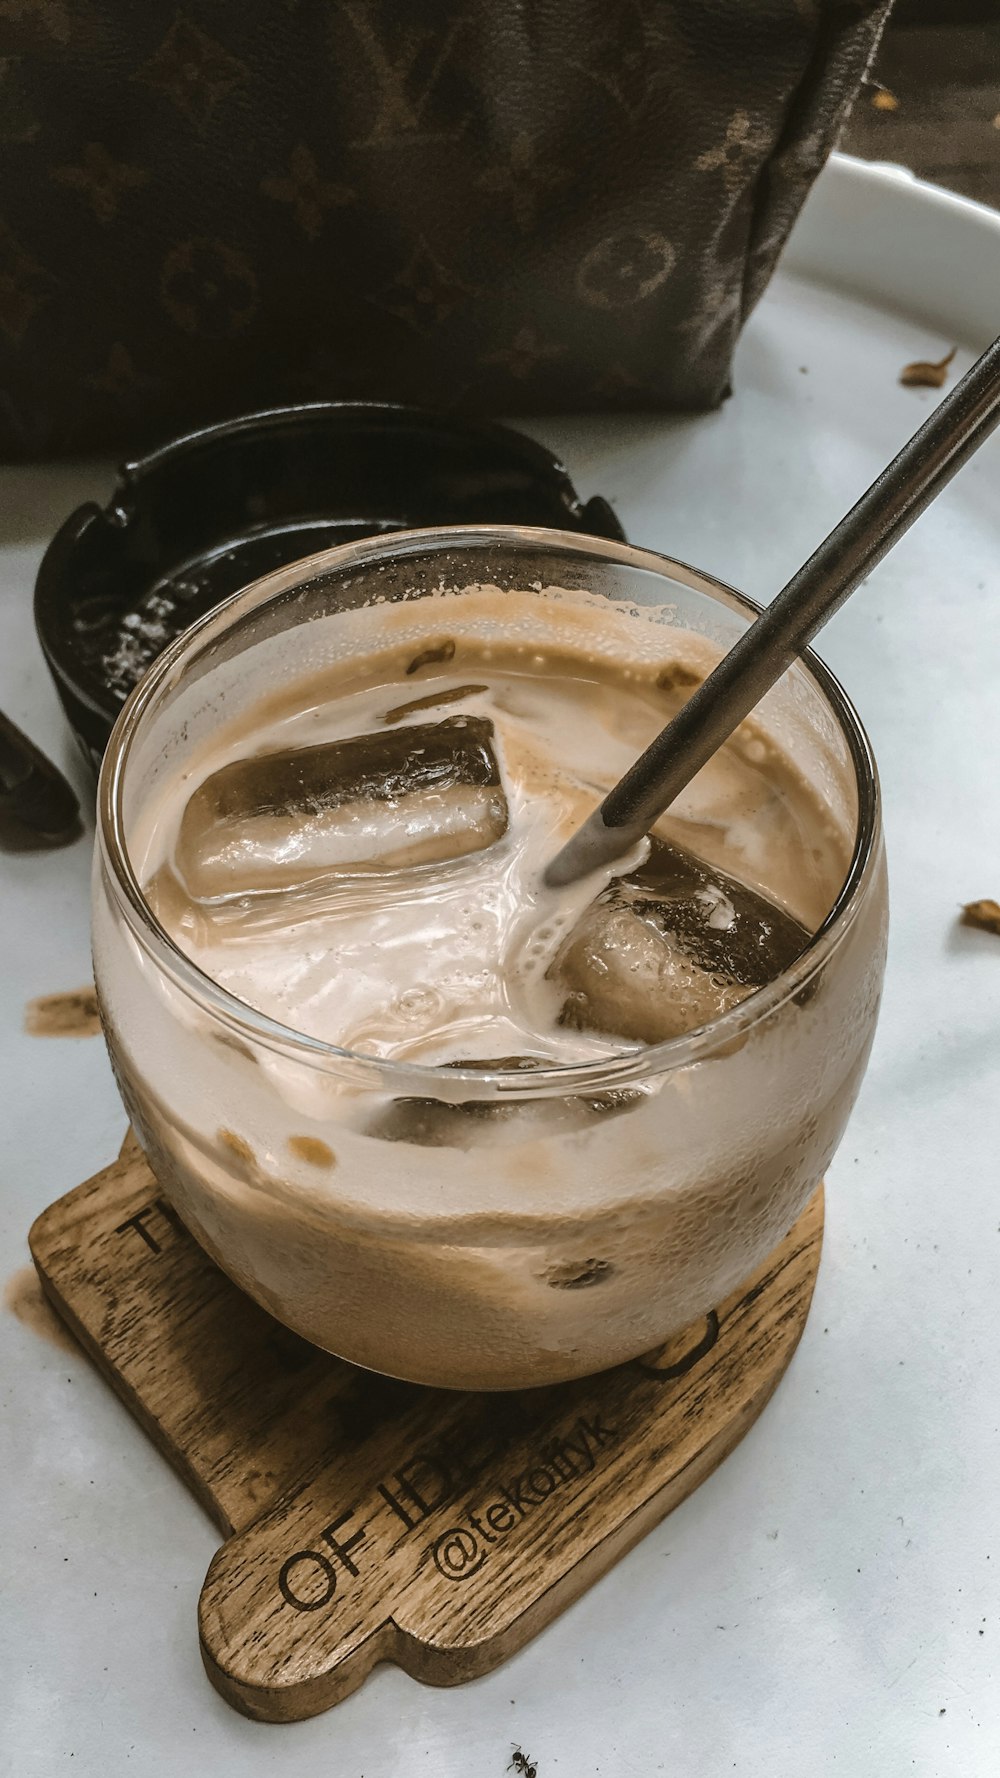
x: 875, y: 230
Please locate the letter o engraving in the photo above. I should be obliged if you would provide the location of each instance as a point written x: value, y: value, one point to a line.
x: 294, y: 1599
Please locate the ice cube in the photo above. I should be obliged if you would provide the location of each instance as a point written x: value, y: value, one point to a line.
x: 440, y: 1123
x: 669, y: 947
x: 377, y: 802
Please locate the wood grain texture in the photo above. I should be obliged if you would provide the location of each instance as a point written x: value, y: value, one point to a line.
x: 239, y: 1404
x: 374, y: 1520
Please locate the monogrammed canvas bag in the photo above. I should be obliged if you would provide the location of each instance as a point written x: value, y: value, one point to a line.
x: 500, y: 205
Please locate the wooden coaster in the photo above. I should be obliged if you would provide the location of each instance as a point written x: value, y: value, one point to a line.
x: 372, y: 1520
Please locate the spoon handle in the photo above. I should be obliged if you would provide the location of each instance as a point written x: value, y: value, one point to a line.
x: 957, y: 427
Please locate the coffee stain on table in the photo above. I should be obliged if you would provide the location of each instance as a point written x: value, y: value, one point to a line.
x: 25, y: 1299
x: 75, y: 1014
x: 984, y: 914
x: 924, y: 375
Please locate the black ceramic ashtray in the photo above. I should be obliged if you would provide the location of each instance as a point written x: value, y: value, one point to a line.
x: 205, y: 515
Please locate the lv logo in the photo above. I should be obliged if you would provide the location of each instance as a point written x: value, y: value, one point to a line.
x: 405, y: 77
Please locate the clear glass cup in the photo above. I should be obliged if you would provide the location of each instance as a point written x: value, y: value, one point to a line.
x: 577, y: 1216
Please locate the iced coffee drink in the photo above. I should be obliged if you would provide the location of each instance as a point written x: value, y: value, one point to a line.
x: 441, y: 1120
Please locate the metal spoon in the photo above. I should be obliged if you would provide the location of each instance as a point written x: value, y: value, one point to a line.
x: 956, y: 428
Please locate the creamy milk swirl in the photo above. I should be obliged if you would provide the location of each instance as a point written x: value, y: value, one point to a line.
x: 450, y: 960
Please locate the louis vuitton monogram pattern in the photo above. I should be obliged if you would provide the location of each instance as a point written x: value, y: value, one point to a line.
x: 101, y: 180
x: 192, y: 70
x: 307, y: 192
x: 466, y: 202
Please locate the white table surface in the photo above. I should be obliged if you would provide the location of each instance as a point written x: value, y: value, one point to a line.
x: 829, y: 1601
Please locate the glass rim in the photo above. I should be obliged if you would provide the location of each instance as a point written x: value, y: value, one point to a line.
x: 440, y: 1080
